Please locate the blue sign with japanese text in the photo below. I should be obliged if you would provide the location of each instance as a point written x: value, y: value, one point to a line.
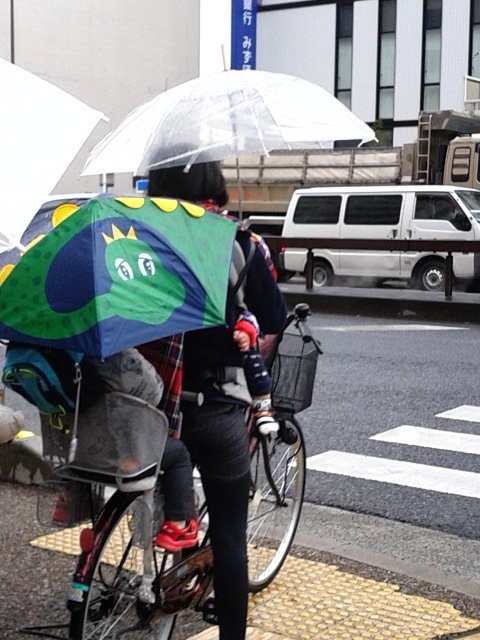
x: 244, y: 34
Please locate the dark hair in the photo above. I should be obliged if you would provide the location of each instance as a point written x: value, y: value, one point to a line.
x: 203, y: 181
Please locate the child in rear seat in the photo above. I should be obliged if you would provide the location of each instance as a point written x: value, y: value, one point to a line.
x: 129, y: 372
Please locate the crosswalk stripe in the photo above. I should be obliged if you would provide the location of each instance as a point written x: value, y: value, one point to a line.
x: 467, y: 412
x: 408, y: 474
x: 390, y: 327
x: 431, y: 438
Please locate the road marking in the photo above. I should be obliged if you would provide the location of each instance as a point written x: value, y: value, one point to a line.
x: 391, y: 327
x: 466, y: 412
x: 431, y: 438
x: 407, y: 474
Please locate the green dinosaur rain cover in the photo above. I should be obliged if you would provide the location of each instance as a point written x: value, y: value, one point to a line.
x: 118, y: 272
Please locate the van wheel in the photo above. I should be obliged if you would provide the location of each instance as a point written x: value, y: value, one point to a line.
x: 431, y: 276
x: 322, y: 274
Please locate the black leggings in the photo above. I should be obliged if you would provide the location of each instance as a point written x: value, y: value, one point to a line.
x: 177, y: 481
x: 217, y: 439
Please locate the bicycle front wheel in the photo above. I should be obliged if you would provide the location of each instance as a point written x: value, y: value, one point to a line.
x: 110, y: 576
x: 276, y: 496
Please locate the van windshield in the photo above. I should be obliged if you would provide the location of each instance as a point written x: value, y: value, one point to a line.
x: 472, y: 200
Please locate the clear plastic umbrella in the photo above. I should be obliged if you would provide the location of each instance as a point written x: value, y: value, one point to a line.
x: 42, y: 129
x: 227, y: 114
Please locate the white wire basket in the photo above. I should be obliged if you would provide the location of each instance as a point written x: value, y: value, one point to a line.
x: 120, y: 440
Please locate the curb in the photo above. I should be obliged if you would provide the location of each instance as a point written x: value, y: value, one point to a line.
x: 385, y: 303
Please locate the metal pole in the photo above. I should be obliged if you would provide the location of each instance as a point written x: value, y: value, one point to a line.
x: 239, y: 189
x: 448, y: 276
x: 309, y: 271
x: 12, y: 33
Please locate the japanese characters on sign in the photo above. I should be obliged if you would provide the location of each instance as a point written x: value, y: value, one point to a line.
x: 244, y: 32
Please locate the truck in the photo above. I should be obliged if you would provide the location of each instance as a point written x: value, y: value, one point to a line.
x: 446, y: 151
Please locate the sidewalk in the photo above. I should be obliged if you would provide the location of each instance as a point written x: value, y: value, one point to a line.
x: 321, y: 592
x: 324, y: 598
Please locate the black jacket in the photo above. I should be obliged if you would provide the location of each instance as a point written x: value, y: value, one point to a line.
x: 208, y: 348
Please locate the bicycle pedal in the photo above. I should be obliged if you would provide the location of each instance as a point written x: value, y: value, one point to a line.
x: 209, y: 611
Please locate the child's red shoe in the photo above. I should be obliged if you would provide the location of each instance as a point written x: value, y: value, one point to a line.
x: 173, y: 538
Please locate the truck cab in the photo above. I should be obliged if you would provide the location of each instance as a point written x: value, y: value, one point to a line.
x: 462, y: 167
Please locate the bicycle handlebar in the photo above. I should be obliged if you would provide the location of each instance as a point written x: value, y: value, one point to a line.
x: 304, y: 330
x: 300, y: 317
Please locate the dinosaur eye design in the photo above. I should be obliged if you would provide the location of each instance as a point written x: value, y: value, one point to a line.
x: 146, y: 265
x: 124, y: 270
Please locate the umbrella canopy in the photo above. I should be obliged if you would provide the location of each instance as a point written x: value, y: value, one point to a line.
x: 118, y: 272
x: 41, y: 128
x: 225, y: 114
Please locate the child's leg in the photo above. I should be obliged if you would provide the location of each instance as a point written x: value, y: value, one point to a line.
x: 179, y: 530
x: 177, y: 481
x: 260, y: 385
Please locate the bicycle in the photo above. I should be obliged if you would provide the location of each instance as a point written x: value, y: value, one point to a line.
x: 126, y: 587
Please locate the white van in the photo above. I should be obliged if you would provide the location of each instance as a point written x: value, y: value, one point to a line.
x: 389, y: 212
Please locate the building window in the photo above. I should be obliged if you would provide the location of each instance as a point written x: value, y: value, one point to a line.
x: 432, y: 54
x: 386, y: 65
x: 475, y: 59
x: 343, y: 89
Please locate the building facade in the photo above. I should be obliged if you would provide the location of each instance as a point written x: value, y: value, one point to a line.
x: 112, y: 54
x: 384, y: 59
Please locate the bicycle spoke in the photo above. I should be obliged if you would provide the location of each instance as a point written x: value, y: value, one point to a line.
x: 112, y: 610
x: 278, y: 476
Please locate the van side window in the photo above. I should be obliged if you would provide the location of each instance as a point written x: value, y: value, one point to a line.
x: 373, y: 209
x: 461, y: 161
x: 317, y: 210
x: 441, y: 207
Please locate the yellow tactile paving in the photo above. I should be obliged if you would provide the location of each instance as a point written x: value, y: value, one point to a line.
x: 314, y: 601
x: 311, y: 600
x: 252, y: 634
x: 63, y: 540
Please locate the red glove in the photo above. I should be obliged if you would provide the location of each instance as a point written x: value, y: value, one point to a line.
x: 248, y: 328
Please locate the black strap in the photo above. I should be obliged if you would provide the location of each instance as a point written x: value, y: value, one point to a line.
x: 243, y: 272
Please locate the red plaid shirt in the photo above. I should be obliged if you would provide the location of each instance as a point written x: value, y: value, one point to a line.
x: 166, y: 355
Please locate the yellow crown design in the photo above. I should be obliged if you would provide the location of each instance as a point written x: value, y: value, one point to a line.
x: 118, y: 235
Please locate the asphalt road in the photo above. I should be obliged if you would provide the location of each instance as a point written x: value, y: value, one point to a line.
x: 375, y: 376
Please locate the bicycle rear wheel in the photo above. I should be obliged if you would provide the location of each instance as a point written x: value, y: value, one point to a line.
x: 104, y: 602
x: 278, y: 484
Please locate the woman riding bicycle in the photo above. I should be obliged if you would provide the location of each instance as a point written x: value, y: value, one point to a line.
x: 215, y: 432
